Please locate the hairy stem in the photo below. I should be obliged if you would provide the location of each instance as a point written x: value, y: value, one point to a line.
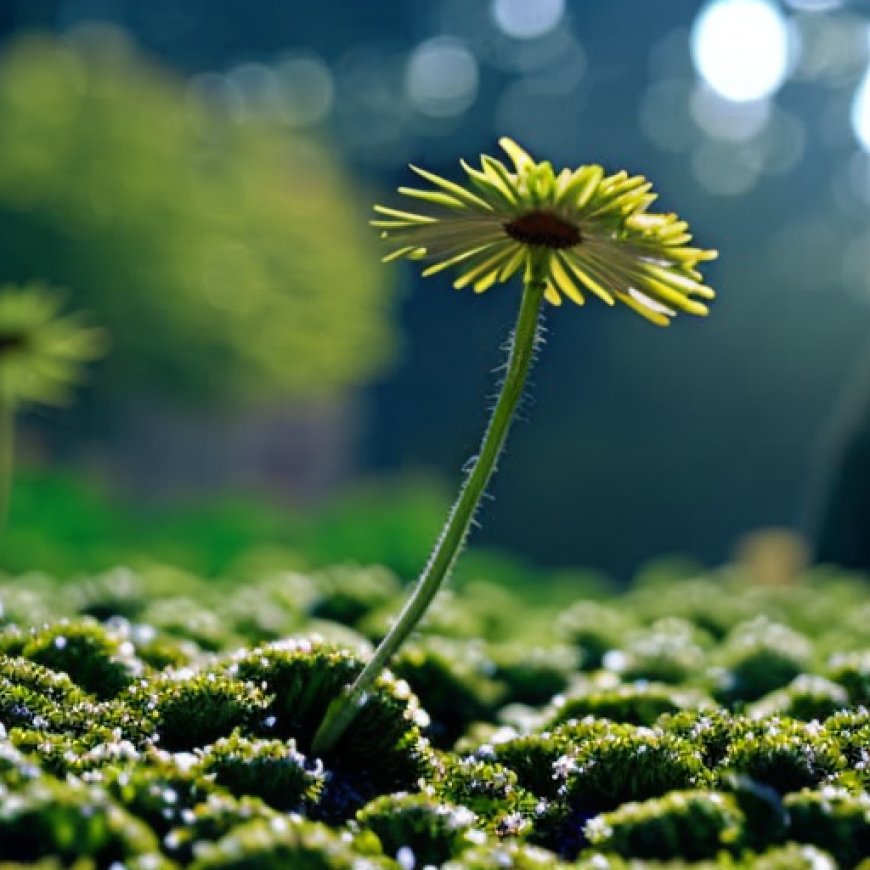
x: 343, y: 710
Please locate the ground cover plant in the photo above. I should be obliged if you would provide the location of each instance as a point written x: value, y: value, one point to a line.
x: 154, y: 718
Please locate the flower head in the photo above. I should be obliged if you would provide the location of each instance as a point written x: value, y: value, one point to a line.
x: 41, y: 350
x: 593, y: 230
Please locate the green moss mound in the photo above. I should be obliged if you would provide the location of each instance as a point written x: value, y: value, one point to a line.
x: 155, y: 719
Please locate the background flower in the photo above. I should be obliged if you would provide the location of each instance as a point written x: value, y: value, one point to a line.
x: 41, y: 350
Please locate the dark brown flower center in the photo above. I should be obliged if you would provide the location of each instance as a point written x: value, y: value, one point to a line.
x: 543, y: 228
x: 10, y: 341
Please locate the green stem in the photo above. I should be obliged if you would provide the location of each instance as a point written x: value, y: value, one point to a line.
x: 7, y: 457
x: 344, y: 708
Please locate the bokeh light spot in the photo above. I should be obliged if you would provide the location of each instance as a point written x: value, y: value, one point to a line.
x: 307, y: 89
x: 861, y: 112
x: 441, y: 77
x: 527, y: 19
x: 741, y: 48
x: 724, y: 119
x: 813, y: 5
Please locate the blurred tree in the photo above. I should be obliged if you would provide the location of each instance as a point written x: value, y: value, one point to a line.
x: 225, y: 256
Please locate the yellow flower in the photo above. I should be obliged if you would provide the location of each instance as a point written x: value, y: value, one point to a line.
x: 41, y: 350
x: 594, y: 229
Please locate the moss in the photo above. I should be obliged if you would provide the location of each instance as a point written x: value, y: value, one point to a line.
x: 765, y: 819
x: 160, y: 789
x: 119, y: 592
x: 191, y: 709
x: 852, y: 670
x: 431, y: 830
x: 628, y: 764
x: 710, y: 731
x: 532, y: 674
x: 791, y: 856
x: 96, y: 659
x: 490, y: 790
x: 806, y: 697
x: 269, y: 769
x: 531, y: 757
x: 211, y: 819
x: 69, y: 820
x: 594, y: 629
x: 160, y: 650
x: 189, y: 619
x: 277, y: 845
x: 762, y: 656
x: 34, y: 696
x: 348, y: 594
x: 381, y: 752
x: 671, y: 650
x: 784, y: 754
x: 449, y: 679
x: 634, y: 704
x: 693, y: 825
x: 62, y: 754
x: 29, y: 600
x: 833, y: 820
x: 500, y: 856
x: 211, y: 753
x: 851, y: 731
x: 709, y: 603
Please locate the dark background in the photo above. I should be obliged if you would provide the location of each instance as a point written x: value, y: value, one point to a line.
x: 639, y: 441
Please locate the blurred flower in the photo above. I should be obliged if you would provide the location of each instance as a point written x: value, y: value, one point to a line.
x: 594, y: 228
x: 41, y: 351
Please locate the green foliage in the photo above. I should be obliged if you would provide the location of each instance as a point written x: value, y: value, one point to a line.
x: 159, y: 788
x: 434, y: 831
x: 833, y: 820
x: 852, y: 670
x: 785, y: 755
x: 96, y: 659
x: 449, y: 678
x: 68, y: 820
x: 269, y: 769
x: 381, y: 752
x: 532, y: 758
x: 201, y: 737
x: 223, y: 256
x: 347, y: 595
x: 761, y: 656
x: 710, y: 731
x: 193, y: 709
x: 532, y: 674
x: 639, y: 703
x: 629, y: 764
x: 692, y: 825
x: 277, y: 845
x: 498, y: 856
x: 490, y: 790
x: 211, y: 819
x: 32, y: 695
x: 671, y: 650
x: 69, y: 526
x: 806, y: 697
x: 594, y: 628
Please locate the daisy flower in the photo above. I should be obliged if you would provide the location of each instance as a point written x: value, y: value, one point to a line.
x: 593, y: 231
x: 41, y: 350
x: 568, y: 234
